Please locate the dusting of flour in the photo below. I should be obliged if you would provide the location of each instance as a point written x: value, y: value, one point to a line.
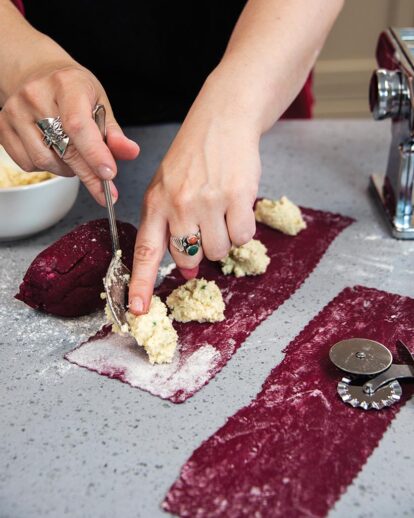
x: 164, y: 271
x: 119, y: 357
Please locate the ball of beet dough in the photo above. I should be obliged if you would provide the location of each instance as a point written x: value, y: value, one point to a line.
x: 66, y: 278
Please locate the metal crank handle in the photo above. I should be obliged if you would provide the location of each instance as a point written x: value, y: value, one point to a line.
x: 99, y: 117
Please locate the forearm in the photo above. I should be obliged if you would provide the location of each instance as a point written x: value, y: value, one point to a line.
x: 22, y: 49
x: 270, y: 54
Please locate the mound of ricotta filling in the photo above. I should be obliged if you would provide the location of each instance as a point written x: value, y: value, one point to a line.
x: 197, y: 300
x: 153, y: 331
x: 282, y: 215
x: 248, y: 259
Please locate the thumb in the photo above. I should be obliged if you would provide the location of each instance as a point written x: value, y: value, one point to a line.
x: 121, y: 146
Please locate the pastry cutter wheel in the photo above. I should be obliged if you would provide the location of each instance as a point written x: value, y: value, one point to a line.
x: 372, y: 378
x: 117, y: 277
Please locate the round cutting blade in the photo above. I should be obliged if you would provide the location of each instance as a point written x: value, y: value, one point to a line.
x: 360, y: 356
x: 353, y: 394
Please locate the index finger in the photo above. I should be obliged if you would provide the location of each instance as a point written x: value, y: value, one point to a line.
x: 150, y: 248
x: 75, y: 108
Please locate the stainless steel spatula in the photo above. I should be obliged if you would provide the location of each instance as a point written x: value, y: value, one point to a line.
x: 117, y: 277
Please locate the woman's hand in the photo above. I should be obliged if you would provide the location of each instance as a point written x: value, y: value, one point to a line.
x: 70, y: 91
x: 210, y: 175
x: 208, y: 180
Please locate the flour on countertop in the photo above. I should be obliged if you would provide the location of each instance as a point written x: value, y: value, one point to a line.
x: 120, y: 357
x: 166, y: 270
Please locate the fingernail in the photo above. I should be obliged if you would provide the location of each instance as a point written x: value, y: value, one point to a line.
x: 105, y: 172
x: 189, y: 273
x: 114, y: 192
x: 135, y: 144
x: 136, y: 305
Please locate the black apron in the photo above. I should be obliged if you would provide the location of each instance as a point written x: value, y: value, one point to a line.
x: 152, y: 56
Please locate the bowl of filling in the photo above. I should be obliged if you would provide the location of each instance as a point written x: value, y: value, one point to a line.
x: 31, y: 202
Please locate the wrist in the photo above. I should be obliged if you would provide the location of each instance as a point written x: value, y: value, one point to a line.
x: 229, y: 96
x: 246, y: 91
x: 41, y: 56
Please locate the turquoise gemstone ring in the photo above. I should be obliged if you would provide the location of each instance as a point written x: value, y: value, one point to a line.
x: 189, y: 245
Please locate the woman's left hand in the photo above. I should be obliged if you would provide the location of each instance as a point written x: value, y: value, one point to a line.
x: 207, y: 181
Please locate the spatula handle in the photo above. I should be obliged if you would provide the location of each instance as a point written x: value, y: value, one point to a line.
x: 99, y: 117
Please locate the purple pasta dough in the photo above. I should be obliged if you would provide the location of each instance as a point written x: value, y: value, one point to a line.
x: 250, y: 300
x: 66, y: 278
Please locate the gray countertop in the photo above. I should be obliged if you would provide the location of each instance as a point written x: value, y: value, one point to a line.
x: 77, y: 444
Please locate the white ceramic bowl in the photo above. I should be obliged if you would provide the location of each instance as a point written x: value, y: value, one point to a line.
x: 28, y: 209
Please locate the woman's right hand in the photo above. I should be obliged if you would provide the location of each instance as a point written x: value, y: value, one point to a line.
x: 70, y: 91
